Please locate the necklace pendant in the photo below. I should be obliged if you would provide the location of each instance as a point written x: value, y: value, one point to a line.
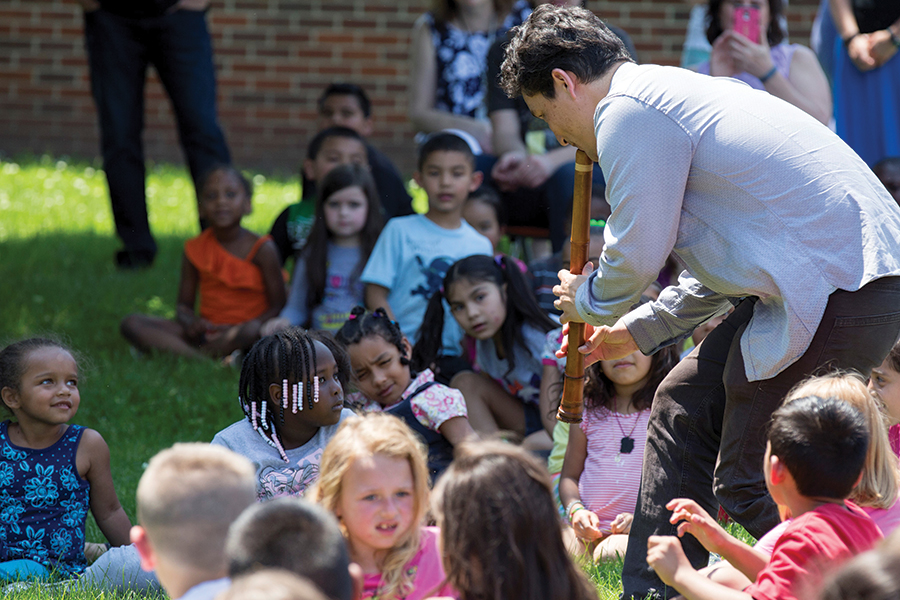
x: 627, y: 445
x: 618, y: 457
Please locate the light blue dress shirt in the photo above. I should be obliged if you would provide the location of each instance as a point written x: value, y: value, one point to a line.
x: 753, y: 195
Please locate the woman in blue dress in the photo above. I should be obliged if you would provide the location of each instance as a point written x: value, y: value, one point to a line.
x: 867, y: 76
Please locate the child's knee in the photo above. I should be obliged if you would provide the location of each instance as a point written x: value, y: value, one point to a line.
x: 466, y: 381
x: 611, y: 548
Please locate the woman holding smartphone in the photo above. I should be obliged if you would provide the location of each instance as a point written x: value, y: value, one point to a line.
x: 747, y: 44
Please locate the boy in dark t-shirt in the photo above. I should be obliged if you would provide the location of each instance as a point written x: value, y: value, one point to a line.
x: 348, y: 105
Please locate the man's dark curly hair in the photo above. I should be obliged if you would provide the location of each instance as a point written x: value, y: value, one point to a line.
x: 554, y: 37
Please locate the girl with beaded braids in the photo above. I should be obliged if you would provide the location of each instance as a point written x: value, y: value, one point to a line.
x: 493, y: 303
x: 379, y: 354
x: 292, y: 394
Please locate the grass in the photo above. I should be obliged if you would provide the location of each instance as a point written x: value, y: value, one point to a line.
x: 57, y: 243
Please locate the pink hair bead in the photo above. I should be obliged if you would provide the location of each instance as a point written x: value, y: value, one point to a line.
x: 279, y: 447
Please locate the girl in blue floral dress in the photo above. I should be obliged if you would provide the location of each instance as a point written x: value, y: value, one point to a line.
x: 51, y: 473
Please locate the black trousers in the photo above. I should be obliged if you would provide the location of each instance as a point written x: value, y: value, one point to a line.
x: 120, y: 49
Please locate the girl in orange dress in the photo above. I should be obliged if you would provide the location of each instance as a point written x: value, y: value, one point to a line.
x: 236, y: 272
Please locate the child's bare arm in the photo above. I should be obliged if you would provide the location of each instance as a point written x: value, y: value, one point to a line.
x: 548, y: 401
x: 457, y: 430
x: 268, y: 261
x: 107, y: 511
x: 667, y: 558
x: 585, y: 523
x: 377, y: 296
x: 697, y: 522
x: 194, y: 326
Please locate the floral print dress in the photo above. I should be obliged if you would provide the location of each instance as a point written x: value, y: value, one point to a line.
x: 462, y: 62
x: 43, y: 503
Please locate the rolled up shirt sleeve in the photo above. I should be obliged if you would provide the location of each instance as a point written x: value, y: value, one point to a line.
x: 675, y: 314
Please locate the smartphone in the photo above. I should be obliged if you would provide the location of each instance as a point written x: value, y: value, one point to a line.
x: 746, y: 22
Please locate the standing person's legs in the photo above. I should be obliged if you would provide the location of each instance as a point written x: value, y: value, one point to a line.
x: 682, y: 447
x: 118, y: 65
x: 183, y: 57
x: 842, y: 341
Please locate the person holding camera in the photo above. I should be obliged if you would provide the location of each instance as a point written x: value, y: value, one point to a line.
x: 748, y: 43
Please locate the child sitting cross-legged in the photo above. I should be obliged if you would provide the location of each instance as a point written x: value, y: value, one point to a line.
x: 877, y: 491
x: 52, y: 472
x: 234, y: 272
x: 326, y: 284
x: 601, y: 473
x: 490, y: 299
x: 814, y: 457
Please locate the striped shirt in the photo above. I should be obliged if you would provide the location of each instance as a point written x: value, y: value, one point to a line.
x: 610, y: 480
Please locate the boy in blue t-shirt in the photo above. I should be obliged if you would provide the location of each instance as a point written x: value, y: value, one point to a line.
x: 413, y: 253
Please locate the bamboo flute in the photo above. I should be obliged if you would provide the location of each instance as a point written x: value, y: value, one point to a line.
x: 572, y: 404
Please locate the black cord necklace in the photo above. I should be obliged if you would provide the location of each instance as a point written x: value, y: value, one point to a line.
x: 626, y: 446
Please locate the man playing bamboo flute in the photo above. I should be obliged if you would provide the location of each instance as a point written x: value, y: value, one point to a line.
x: 769, y: 211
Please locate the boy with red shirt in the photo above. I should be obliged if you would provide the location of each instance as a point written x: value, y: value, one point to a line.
x: 814, y: 458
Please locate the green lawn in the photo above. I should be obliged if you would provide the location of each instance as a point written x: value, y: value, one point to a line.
x: 56, y: 267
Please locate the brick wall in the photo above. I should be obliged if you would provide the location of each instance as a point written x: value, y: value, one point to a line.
x: 273, y: 58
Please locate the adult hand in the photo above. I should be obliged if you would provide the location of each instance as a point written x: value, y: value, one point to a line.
x: 506, y: 170
x: 666, y: 556
x: 881, y: 48
x: 535, y: 171
x: 721, y: 63
x: 860, y: 52
x: 568, y: 286
x: 602, y: 343
x: 697, y: 522
x: 748, y: 57
x: 622, y: 523
x: 586, y: 525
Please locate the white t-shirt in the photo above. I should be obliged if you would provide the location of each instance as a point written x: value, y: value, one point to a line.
x: 274, y: 477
